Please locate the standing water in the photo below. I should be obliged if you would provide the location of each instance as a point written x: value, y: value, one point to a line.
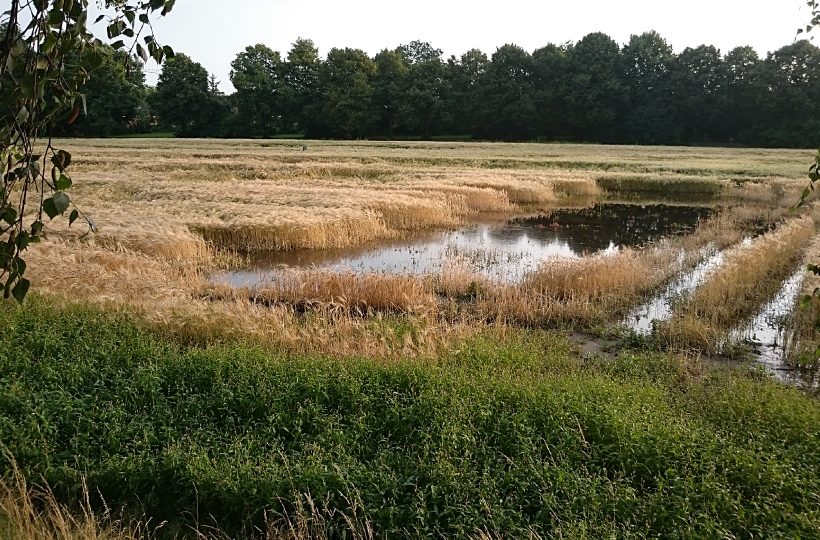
x: 504, y: 251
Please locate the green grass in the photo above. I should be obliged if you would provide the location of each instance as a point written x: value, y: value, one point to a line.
x: 501, y: 437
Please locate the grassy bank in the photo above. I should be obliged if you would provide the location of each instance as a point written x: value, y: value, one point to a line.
x: 503, y: 438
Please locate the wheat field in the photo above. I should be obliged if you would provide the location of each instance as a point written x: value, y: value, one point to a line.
x: 167, y: 213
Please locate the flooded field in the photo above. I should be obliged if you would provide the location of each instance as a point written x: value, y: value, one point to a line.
x: 509, y: 250
x: 406, y: 249
x: 501, y: 250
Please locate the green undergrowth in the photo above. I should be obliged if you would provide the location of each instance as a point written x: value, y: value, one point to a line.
x: 506, y: 437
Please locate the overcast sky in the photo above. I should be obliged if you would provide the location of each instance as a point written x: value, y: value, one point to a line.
x: 212, y: 32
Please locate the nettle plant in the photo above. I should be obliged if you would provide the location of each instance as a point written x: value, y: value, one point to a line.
x: 41, y: 82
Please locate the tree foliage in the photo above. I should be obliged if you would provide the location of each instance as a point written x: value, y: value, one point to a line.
x: 594, y: 90
x: 257, y: 73
x: 40, y: 88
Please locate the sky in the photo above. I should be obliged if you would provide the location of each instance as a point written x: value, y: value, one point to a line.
x: 212, y: 32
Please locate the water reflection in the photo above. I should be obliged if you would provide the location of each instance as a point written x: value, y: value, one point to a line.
x: 642, y: 319
x: 770, y: 330
x: 504, y: 251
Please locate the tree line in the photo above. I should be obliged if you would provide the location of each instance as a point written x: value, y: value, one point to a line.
x: 594, y: 91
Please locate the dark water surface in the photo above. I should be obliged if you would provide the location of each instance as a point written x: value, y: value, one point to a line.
x: 499, y: 250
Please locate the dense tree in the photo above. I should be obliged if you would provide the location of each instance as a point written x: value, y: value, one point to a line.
x: 301, y: 83
x: 346, y: 105
x: 549, y: 72
x: 464, y: 80
x: 424, y: 92
x: 506, y: 90
x: 115, y: 97
x: 389, y: 85
x: 257, y: 74
x: 184, y: 99
x: 789, y: 104
x: 594, y: 92
x: 741, y: 66
x: 698, y: 84
x: 646, y: 64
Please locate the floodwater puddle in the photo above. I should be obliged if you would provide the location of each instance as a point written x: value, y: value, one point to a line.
x: 642, y: 319
x: 767, y: 333
x: 768, y: 329
x: 502, y: 251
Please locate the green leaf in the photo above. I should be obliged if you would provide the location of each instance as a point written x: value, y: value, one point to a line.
x: 61, y: 201
x: 113, y: 30
x: 9, y: 215
x: 27, y: 86
x: 61, y: 159
x: 50, y: 208
x: 73, y: 217
x: 22, y: 115
x: 36, y: 228
x: 20, y: 289
x: 21, y: 241
x: 49, y: 43
x: 18, y: 266
x: 56, y: 17
x: 64, y: 182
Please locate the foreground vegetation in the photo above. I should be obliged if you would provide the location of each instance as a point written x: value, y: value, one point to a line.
x: 502, y: 437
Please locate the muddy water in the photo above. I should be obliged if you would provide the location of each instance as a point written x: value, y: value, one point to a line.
x: 500, y: 251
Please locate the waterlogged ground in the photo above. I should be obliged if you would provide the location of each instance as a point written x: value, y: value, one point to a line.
x: 500, y: 250
x: 507, y: 249
x: 766, y: 334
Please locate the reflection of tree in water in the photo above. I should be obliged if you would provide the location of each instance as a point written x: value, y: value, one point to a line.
x: 595, y: 228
